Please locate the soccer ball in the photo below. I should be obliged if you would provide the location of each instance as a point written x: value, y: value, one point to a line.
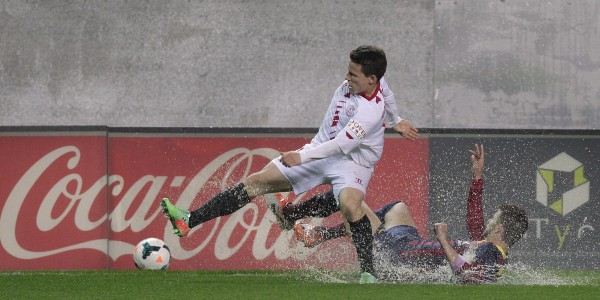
x: 151, y: 254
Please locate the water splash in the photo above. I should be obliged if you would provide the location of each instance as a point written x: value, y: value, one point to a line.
x: 523, y: 274
x: 515, y: 274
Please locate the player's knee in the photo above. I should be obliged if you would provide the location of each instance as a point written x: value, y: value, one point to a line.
x: 267, y: 180
x: 350, y: 203
x: 251, y: 186
x: 399, y: 215
x: 401, y: 208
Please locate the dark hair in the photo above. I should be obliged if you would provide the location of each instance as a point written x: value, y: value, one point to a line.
x: 371, y: 58
x: 515, y: 222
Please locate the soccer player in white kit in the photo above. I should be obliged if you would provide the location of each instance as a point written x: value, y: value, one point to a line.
x: 342, y: 154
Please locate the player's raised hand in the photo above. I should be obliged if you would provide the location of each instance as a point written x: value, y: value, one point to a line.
x: 290, y: 158
x: 477, y: 159
x: 441, y: 231
x: 405, y: 129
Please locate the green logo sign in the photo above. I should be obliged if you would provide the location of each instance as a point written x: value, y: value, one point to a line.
x: 579, y: 187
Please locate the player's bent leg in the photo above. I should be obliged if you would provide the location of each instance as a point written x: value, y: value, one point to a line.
x: 277, y: 203
x: 363, y: 241
x: 360, y: 227
x: 399, y: 214
x: 268, y: 180
x: 308, y: 234
x: 351, y: 204
x: 231, y: 200
x: 312, y: 236
x: 287, y: 213
x: 375, y: 222
x: 318, y: 206
x: 271, y: 180
x: 224, y: 203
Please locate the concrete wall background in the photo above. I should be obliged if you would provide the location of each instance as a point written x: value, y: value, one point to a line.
x: 517, y: 64
x: 214, y: 63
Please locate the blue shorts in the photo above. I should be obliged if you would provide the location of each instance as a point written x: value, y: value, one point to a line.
x: 392, y: 241
x: 403, y: 245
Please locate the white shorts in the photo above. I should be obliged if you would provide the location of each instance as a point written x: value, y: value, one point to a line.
x: 339, y: 170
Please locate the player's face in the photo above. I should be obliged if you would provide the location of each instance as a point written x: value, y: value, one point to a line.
x: 495, y: 220
x: 358, y: 82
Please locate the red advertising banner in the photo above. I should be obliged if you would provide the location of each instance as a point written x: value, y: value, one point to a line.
x: 53, y: 199
x: 83, y: 202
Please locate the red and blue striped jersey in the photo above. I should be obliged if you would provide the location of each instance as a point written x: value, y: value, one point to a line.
x: 483, y: 260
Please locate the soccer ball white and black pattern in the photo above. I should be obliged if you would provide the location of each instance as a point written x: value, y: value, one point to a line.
x: 151, y: 254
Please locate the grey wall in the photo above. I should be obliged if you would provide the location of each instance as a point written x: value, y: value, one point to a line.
x: 517, y: 64
x: 272, y: 63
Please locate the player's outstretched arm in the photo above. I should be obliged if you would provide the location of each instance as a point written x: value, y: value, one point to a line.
x: 474, y: 217
x: 295, y: 158
x: 407, y: 130
x: 477, y: 160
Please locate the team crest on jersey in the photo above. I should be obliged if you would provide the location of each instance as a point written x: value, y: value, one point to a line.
x: 350, y: 111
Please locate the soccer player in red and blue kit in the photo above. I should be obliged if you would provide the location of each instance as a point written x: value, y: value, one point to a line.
x: 397, y: 242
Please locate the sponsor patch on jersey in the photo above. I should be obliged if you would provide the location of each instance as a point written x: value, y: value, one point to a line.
x: 356, y: 129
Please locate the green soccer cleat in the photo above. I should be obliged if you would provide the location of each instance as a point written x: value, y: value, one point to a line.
x: 179, y: 218
x: 366, y: 277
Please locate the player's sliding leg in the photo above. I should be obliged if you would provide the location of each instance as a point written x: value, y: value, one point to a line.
x: 267, y: 180
x: 287, y: 213
x: 224, y: 203
x: 319, y: 206
x: 311, y: 235
x: 276, y: 203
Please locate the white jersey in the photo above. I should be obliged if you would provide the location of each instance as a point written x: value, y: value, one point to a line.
x: 356, y: 123
x: 391, y: 110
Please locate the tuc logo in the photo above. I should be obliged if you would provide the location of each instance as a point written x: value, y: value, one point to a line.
x: 561, y: 184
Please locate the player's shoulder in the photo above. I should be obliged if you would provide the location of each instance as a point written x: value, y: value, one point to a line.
x: 487, y: 246
x: 343, y: 90
x: 384, y: 86
x: 382, y: 82
x: 488, y: 250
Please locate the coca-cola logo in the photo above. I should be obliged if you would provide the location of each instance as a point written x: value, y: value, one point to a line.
x: 82, y: 193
